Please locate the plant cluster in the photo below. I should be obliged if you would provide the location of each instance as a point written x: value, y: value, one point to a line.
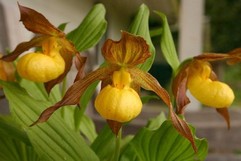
x: 44, y: 125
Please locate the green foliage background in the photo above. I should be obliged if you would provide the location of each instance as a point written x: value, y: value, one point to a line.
x: 225, y: 16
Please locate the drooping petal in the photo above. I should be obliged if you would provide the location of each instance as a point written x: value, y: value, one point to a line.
x: 225, y: 114
x: 80, y: 64
x: 183, y: 128
x: 24, y: 46
x: 37, y: 23
x: 179, y: 87
x: 181, y: 98
x: 74, y: 93
x: 130, y: 50
x: 148, y: 82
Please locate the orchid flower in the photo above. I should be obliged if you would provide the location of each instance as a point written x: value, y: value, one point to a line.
x: 52, y: 63
x: 197, y: 76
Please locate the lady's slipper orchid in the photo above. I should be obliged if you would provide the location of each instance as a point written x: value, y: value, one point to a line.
x: 55, y: 48
x: 118, y: 101
x: 209, y: 92
x: 197, y: 76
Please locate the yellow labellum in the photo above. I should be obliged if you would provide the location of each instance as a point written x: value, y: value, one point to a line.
x: 116, y: 104
x: 211, y: 93
x: 42, y: 67
x: 119, y: 102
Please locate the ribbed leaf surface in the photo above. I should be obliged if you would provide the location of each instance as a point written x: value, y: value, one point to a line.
x: 163, y: 144
x: 53, y: 140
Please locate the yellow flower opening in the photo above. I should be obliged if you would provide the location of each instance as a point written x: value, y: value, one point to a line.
x: 208, y: 92
x: 42, y: 67
x: 119, y: 102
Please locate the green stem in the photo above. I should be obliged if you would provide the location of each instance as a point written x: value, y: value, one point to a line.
x: 117, y: 146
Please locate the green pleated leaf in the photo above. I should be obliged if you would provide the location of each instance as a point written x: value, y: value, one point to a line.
x: 10, y: 129
x: 163, y: 144
x: 104, y: 144
x: 167, y: 44
x: 14, y: 142
x: 53, y: 140
x: 90, y: 31
x: 15, y: 150
x: 140, y: 26
x: 38, y: 92
x: 87, y: 128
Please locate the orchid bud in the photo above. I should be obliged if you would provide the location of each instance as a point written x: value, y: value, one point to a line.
x: 211, y: 93
x: 42, y: 67
x: 119, y: 102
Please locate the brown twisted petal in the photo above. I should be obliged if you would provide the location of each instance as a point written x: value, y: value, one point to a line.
x: 148, y: 82
x: 130, y: 50
x: 37, y: 23
x: 24, y: 46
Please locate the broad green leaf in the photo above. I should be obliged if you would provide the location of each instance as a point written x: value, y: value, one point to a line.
x: 53, y: 140
x: 163, y: 144
x: 167, y: 44
x: 87, y: 128
x: 83, y: 123
x: 14, y: 142
x: 104, y: 144
x: 90, y: 31
x: 140, y: 26
x: 38, y: 92
x: 9, y: 128
x: 15, y: 150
